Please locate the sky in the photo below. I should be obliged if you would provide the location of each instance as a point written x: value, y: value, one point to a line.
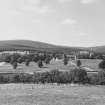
x: 60, y: 22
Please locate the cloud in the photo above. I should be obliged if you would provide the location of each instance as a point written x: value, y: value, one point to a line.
x: 36, y: 21
x: 87, y: 1
x: 82, y: 34
x: 35, y: 6
x: 63, y: 1
x: 34, y: 2
x: 69, y: 21
x: 36, y: 9
x: 82, y: 1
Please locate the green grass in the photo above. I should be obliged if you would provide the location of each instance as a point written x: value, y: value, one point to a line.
x: 31, y: 94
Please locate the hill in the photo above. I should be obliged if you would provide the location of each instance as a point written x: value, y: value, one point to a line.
x: 35, y: 45
x: 98, y: 49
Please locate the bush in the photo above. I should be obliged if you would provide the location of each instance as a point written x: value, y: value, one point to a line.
x: 47, y: 77
x: 40, y: 64
x: 7, y: 59
x: 23, y: 78
x: 79, y: 76
x: 20, y: 60
x: 14, y: 64
x: 79, y: 63
x: 27, y: 62
x: 97, y: 79
x: 54, y: 76
x: 4, y: 79
x: 93, y: 79
x: 64, y: 77
x: 102, y: 64
x: 47, y: 60
x: 65, y: 61
x: 101, y: 77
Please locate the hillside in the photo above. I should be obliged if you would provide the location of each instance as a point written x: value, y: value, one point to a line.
x: 26, y: 43
x: 98, y: 49
x: 35, y: 45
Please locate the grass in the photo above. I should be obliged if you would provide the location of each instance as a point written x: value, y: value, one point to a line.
x: 50, y: 94
x: 33, y: 67
x: 91, y: 63
x: 7, y: 68
x: 31, y: 94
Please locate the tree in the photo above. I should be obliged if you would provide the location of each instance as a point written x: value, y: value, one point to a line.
x: 102, y: 64
x: 7, y: 59
x: 14, y: 64
x: 20, y: 60
x: 40, y: 64
x: 47, y: 60
x: 79, y: 63
x: 27, y: 62
x: 14, y: 58
x: 35, y: 58
x: 65, y: 61
x: 79, y: 75
x: 101, y: 77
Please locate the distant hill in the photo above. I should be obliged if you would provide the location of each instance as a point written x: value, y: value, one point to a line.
x: 35, y: 45
x: 25, y: 43
x: 98, y: 49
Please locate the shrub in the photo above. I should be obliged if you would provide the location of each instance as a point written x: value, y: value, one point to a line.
x: 93, y: 79
x: 102, y: 64
x: 27, y: 62
x: 23, y: 78
x: 54, y: 76
x: 47, y: 60
x: 7, y: 59
x: 97, y: 79
x: 79, y: 63
x: 40, y: 64
x: 4, y: 79
x: 35, y: 58
x: 79, y: 76
x: 101, y: 77
x: 64, y: 77
x: 65, y: 61
x: 20, y: 60
x: 14, y: 64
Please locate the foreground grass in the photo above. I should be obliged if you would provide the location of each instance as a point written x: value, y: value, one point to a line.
x: 36, y: 94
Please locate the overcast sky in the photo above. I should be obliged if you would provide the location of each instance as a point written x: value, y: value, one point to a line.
x: 61, y: 22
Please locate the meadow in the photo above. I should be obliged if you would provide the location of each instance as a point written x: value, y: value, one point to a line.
x: 48, y: 94
x: 90, y: 64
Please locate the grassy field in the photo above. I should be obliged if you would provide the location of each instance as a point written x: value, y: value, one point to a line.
x: 33, y: 67
x: 7, y: 68
x: 92, y: 64
x: 31, y: 94
x: 50, y: 94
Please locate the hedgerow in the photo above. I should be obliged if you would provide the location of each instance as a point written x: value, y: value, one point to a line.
x: 78, y: 76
